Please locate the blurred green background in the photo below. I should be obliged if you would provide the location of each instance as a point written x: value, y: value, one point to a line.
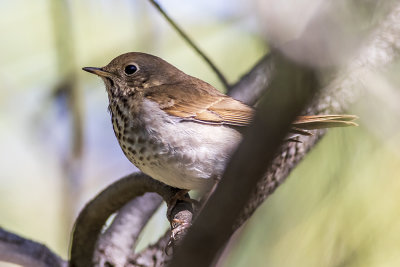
x: 340, y: 207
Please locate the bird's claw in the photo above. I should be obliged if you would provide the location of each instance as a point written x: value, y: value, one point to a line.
x: 178, y: 228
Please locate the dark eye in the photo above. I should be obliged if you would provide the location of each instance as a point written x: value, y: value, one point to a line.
x: 130, y: 69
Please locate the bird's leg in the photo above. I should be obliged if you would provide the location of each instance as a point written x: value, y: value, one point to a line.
x: 180, y: 195
x: 180, y: 223
x: 179, y: 215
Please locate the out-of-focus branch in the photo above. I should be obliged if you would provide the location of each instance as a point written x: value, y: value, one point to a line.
x: 254, y: 83
x: 18, y: 250
x: 93, y: 217
x: 191, y: 43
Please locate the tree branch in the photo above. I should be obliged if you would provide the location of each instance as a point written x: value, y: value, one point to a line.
x: 18, y: 250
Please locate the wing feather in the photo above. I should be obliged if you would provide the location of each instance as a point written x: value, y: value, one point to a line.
x: 207, y: 105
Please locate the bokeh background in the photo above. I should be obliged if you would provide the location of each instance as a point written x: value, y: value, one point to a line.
x: 340, y: 207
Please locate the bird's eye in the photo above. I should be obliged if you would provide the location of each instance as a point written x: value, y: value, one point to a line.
x: 130, y: 69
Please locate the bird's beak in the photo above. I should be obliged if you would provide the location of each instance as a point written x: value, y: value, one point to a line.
x: 98, y: 71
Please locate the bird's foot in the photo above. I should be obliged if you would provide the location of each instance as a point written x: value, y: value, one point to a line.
x: 181, y: 195
x: 179, y: 229
x: 180, y: 214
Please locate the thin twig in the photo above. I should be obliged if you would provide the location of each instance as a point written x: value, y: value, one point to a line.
x: 192, y: 44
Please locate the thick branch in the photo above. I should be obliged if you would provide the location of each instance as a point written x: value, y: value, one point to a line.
x: 18, y: 250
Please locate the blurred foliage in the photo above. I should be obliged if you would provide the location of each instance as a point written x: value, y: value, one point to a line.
x: 338, y: 208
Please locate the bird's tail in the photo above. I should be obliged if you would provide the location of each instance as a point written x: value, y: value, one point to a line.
x: 304, y: 123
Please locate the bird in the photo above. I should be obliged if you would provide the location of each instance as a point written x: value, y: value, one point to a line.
x: 179, y: 129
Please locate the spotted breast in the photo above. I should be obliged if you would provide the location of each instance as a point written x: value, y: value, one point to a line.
x: 179, y: 153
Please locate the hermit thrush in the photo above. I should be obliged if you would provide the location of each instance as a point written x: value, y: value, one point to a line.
x: 176, y: 128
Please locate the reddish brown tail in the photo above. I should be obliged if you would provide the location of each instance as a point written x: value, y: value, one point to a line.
x: 304, y: 123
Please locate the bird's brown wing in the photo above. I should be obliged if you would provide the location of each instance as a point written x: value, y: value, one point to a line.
x: 206, y: 105
x: 203, y: 103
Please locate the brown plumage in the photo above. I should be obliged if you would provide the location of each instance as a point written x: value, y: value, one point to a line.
x: 208, y: 105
